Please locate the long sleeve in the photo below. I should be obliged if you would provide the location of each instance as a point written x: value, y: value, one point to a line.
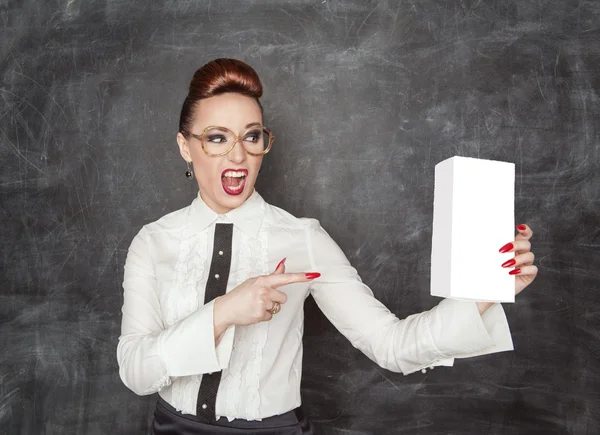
x: 150, y: 355
x: 452, y: 329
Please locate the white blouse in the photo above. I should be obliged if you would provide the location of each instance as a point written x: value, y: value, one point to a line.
x: 167, y: 336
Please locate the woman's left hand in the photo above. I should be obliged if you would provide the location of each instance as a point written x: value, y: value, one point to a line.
x: 524, y: 270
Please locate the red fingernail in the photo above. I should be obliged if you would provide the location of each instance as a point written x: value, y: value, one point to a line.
x: 509, y: 263
x: 506, y: 247
x: 280, y: 263
x: 515, y: 271
x: 312, y: 275
x: 521, y: 227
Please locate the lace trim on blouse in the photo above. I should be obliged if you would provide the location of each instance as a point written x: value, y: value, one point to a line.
x: 240, y: 382
x: 186, y: 294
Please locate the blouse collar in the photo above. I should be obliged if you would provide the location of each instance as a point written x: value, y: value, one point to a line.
x: 247, y: 217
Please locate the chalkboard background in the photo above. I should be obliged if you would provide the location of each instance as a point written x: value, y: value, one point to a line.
x: 364, y: 98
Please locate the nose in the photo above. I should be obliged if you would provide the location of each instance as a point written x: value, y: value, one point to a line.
x: 238, y: 153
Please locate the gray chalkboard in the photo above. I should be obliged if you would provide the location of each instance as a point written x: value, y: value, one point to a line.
x: 364, y: 97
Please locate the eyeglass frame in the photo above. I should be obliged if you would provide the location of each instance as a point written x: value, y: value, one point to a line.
x: 237, y: 139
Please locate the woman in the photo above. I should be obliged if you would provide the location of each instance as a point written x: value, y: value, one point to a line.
x: 214, y: 292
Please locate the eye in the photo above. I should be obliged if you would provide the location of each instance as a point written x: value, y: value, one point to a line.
x: 253, y: 136
x: 216, y: 138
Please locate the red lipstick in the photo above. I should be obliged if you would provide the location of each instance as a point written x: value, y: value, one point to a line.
x: 236, y: 181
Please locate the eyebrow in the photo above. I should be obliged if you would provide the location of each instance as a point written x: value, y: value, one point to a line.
x: 247, y: 125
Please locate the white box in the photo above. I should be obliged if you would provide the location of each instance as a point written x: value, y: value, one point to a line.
x: 473, y: 216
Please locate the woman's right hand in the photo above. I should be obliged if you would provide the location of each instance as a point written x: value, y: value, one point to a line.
x: 248, y: 303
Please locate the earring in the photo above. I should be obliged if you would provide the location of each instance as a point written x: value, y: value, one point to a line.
x: 189, y: 173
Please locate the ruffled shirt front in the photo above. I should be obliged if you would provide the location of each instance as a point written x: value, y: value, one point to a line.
x: 167, y: 332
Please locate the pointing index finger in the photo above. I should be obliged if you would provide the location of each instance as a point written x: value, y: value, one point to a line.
x: 290, y: 278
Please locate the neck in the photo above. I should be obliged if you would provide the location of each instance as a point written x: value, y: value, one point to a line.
x: 218, y: 208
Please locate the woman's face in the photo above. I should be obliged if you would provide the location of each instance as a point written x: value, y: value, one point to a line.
x: 234, y: 111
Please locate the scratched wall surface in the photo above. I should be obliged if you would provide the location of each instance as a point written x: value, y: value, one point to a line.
x: 365, y: 98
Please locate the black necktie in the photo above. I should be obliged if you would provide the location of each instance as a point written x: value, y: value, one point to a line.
x: 215, y: 286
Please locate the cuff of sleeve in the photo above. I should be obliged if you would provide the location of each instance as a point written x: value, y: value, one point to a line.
x: 458, y: 330
x: 496, y: 324
x: 188, y: 347
x: 448, y: 362
x: 225, y: 347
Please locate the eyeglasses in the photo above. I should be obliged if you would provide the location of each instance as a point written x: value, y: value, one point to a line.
x: 218, y: 141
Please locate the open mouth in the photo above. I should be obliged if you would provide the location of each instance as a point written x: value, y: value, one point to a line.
x: 234, y: 180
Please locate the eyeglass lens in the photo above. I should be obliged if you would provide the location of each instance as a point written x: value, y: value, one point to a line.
x: 217, y: 140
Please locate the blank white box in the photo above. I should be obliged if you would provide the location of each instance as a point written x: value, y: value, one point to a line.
x: 473, y: 216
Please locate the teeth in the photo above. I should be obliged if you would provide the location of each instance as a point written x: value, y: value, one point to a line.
x: 236, y: 174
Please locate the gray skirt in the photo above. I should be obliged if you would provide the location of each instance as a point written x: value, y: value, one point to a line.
x: 169, y: 421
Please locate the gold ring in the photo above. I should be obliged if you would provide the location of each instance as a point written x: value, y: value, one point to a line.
x: 275, y: 308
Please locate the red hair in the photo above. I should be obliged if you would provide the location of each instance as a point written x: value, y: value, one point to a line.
x: 217, y: 77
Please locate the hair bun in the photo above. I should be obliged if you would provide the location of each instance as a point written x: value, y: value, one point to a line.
x: 217, y: 77
x: 226, y: 75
